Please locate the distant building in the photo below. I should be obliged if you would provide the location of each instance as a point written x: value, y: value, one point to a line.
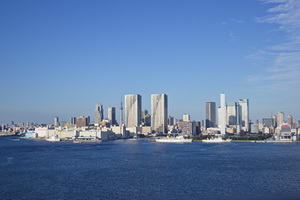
x: 133, y: 110
x: 223, y: 113
x: 274, y: 118
x: 267, y: 122
x: 73, y: 120
x: 111, y: 116
x: 99, y: 114
x: 186, y: 117
x: 285, y: 133
x: 171, y: 121
x: 159, y: 112
x: 243, y: 108
x: 254, y: 128
x: 189, y: 128
x: 56, y: 121
x: 280, y: 118
x: 231, y: 114
x: 290, y: 119
x: 146, y: 118
x: 210, y: 120
x: 82, y: 121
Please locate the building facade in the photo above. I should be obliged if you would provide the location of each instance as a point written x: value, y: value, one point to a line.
x: 111, y: 115
x: 99, y: 114
x: 231, y: 114
x: 280, y: 119
x: 159, y: 113
x: 243, y: 109
x: 210, y: 120
x: 133, y: 110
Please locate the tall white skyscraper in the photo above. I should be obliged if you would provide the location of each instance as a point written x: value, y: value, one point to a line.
x: 243, y: 110
x: 98, y: 114
x: 231, y: 110
x: 186, y: 117
x: 280, y: 118
x: 223, y: 113
x: 159, y: 112
x: 133, y: 110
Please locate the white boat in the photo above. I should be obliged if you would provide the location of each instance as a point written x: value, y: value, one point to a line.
x: 178, y: 139
x: 53, y: 139
x: 217, y: 139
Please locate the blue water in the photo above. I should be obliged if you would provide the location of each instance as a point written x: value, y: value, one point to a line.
x: 129, y: 169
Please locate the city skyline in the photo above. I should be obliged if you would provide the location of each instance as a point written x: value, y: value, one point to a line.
x: 53, y: 57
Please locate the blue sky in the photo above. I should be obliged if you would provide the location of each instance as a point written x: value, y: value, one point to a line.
x: 61, y: 58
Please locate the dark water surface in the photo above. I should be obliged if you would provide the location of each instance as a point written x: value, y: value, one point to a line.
x: 139, y: 169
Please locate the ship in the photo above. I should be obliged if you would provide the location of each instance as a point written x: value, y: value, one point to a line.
x: 178, y: 139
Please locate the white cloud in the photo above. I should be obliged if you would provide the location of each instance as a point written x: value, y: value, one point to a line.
x: 283, y: 59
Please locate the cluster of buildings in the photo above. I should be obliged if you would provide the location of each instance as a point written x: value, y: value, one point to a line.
x: 230, y: 118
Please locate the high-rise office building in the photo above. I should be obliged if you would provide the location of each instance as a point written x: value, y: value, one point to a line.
x: 231, y: 114
x: 290, y: 119
x: 186, y: 117
x: 159, y: 112
x: 133, y: 110
x: 274, y: 120
x: 280, y: 118
x: 73, y: 120
x: 210, y: 120
x: 56, y: 121
x: 243, y: 105
x: 223, y: 113
x: 99, y: 114
x: 171, y: 121
x: 111, y: 115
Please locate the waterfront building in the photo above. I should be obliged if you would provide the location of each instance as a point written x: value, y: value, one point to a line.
x: 99, y: 114
x: 267, y: 122
x: 254, y: 128
x: 189, y: 128
x: 210, y: 120
x: 111, y: 116
x: 286, y: 133
x: 186, y: 117
x: 133, y: 110
x: 231, y: 113
x: 243, y: 109
x: 56, y: 122
x: 159, y: 112
x: 290, y: 119
x: 280, y: 118
x: 82, y: 121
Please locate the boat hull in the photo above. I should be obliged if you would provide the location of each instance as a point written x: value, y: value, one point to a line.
x: 174, y: 140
